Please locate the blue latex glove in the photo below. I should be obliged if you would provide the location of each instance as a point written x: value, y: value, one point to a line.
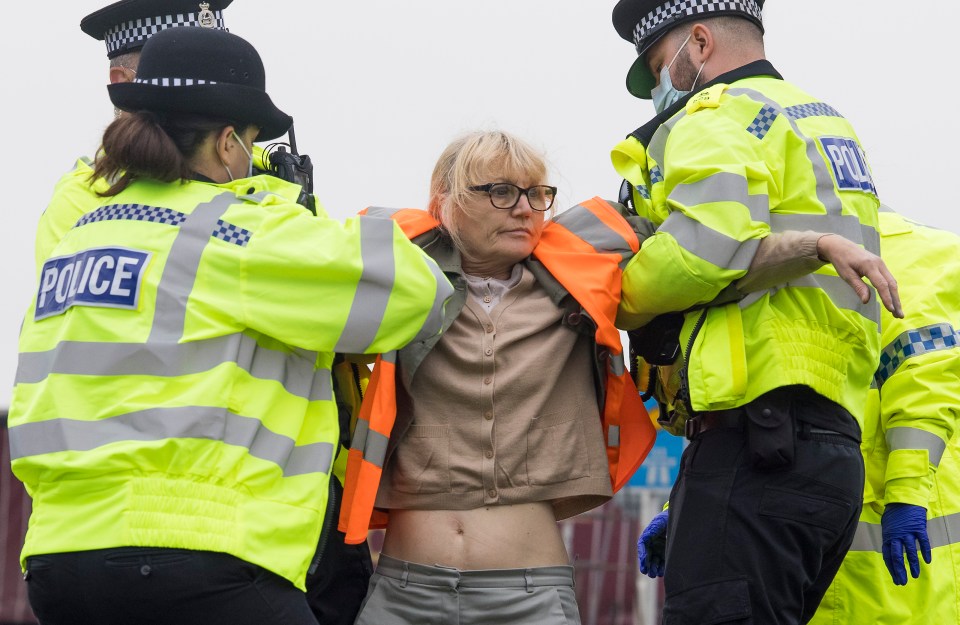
x: 652, y: 546
x: 904, y: 525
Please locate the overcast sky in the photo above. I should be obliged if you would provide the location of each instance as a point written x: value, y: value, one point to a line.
x: 377, y: 88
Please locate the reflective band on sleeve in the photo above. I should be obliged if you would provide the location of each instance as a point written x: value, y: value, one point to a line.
x: 714, y: 247
x: 373, y: 290
x: 295, y: 371
x: 942, y: 531
x: 846, y: 226
x: 834, y: 287
x: 723, y: 187
x: 372, y: 445
x: 899, y: 438
x: 155, y: 424
x: 434, y: 322
x: 180, y: 270
x: 913, y: 343
x: 840, y: 294
x: 379, y: 211
x: 617, y: 367
x: 587, y: 226
x: 613, y: 436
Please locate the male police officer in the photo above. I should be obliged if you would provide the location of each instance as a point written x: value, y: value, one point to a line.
x: 770, y: 487
x: 124, y: 27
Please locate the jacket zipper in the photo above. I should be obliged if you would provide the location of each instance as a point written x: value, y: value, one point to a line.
x: 683, y: 394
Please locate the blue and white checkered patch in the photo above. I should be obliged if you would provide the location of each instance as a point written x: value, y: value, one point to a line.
x: 913, y: 343
x: 135, y: 212
x: 231, y: 234
x: 762, y: 122
x: 813, y: 109
x: 656, y: 175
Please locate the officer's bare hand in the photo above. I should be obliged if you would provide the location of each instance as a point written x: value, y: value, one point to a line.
x: 853, y: 263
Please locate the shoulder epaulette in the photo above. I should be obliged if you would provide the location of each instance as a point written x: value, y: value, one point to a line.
x: 706, y: 99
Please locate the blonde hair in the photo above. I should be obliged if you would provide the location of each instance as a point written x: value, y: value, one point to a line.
x: 478, y: 158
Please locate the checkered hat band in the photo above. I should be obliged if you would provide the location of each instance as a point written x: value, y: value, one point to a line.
x: 142, y: 29
x: 672, y: 10
x: 174, y: 82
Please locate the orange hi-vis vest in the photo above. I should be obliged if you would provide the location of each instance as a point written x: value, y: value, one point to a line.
x: 585, y: 250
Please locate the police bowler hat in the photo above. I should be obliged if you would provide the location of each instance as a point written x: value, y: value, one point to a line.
x: 205, y: 72
x: 126, y: 25
x: 645, y: 22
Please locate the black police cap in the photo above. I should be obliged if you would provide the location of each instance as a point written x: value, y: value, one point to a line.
x: 126, y: 25
x: 206, y: 72
x: 644, y: 22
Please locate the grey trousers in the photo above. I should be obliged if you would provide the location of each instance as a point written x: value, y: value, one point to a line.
x: 418, y: 594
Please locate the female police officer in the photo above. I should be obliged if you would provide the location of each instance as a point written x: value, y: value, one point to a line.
x: 172, y: 417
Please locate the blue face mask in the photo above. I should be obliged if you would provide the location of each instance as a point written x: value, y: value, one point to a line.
x: 665, y: 94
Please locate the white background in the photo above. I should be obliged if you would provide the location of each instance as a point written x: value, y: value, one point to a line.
x: 379, y: 87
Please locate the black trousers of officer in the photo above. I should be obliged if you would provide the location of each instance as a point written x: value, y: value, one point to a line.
x: 337, y: 585
x: 155, y: 586
x: 760, y: 546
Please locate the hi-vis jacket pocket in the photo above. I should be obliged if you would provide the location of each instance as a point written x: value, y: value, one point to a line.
x: 718, y: 364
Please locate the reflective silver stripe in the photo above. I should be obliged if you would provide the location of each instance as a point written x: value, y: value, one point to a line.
x: 836, y: 289
x: 658, y: 143
x: 848, y: 226
x: 826, y: 190
x: 617, y: 367
x: 723, y: 187
x: 914, y: 438
x: 931, y: 338
x: 582, y: 222
x: 294, y: 371
x: 180, y: 271
x: 155, y: 424
x: 885, y: 209
x: 613, y: 436
x: 390, y: 357
x: 259, y: 197
x: 868, y: 537
x: 840, y: 294
x: 373, y: 290
x: 379, y: 211
x: 942, y: 531
x: 372, y: 445
x: 714, y: 247
x: 434, y: 321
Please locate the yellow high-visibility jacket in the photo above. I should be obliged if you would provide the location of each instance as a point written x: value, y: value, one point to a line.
x: 749, y: 155
x: 174, y: 379
x: 911, y: 438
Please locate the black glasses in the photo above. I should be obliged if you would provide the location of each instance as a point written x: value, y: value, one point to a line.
x: 505, y: 195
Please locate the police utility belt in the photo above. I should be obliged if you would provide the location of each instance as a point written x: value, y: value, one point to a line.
x: 776, y: 420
